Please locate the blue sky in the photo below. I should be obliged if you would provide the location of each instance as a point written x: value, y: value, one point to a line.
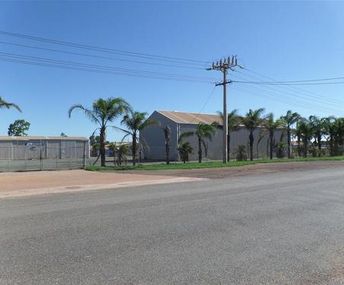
x: 281, y: 40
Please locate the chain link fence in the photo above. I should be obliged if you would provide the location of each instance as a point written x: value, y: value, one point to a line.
x: 43, y: 155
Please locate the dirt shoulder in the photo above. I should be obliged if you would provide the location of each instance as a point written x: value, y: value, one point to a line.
x: 47, y: 182
x: 256, y: 169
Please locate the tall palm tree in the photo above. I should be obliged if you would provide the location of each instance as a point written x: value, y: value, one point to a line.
x: 202, y: 132
x: 6, y: 105
x: 251, y: 121
x: 233, y: 124
x: 167, y: 136
x: 289, y: 119
x: 103, y: 112
x: 271, y: 125
x: 134, y: 123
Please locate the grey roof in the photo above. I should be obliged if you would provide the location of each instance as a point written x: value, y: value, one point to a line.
x: 191, y: 118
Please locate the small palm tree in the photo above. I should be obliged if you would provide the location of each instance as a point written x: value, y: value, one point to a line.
x: 6, y: 105
x: 271, y: 125
x: 103, y: 112
x: 113, y: 147
x: 167, y: 136
x: 134, y: 123
x: 252, y: 121
x: 184, y: 150
x: 289, y: 119
x: 202, y: 132
x: 233, y: 124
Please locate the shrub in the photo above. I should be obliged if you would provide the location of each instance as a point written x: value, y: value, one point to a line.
x: 280, y: 150
x: 241, y: 153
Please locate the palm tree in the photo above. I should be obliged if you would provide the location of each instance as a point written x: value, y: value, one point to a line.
x: 233, y: 124
x: 271, y: 126
x: 339, y: 136
x: 261, y: 136
x: 289, y: 119
x: 103, y: 112
x: 167, y: 135
x: 113, y: 147
x: 202, y: 132
x: 6, y: 105
x: 306, y: 132
x: 135, y: 122
x: 184, y: 150
x: 317, y: 126
x: 329, y: 124
x: 251, y: 121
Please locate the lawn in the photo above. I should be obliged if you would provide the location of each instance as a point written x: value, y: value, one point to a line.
x: 207, y: 164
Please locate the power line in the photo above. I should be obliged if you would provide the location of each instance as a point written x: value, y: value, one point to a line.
x: 99, y: 56
x: 207, y: 99
x: 286, y: 83
x: 116, y: 70
x: 293, y: 103
x: 105, y: 49
x: 99, y: 71
x: 294, y: 95
x: 296, y: 90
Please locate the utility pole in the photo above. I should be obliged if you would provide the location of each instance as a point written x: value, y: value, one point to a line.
x: 223, y: 66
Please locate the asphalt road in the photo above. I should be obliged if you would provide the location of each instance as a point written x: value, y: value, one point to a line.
x: 277, y: 228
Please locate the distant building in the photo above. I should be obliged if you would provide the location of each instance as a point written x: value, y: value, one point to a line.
x: 180, y: 122
x: 40, y: 152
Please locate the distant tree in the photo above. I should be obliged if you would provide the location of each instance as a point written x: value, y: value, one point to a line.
x: 18, y: 128
x: 103, y: 112
x: 63, y: 135
x: 289, y: 119
x: 252, y: 121
x: 184, y: 150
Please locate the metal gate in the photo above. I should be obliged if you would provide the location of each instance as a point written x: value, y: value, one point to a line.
x: 43, y: 155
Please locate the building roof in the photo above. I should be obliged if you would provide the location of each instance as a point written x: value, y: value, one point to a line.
x: 33, y: 138
x: 191, y: 118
